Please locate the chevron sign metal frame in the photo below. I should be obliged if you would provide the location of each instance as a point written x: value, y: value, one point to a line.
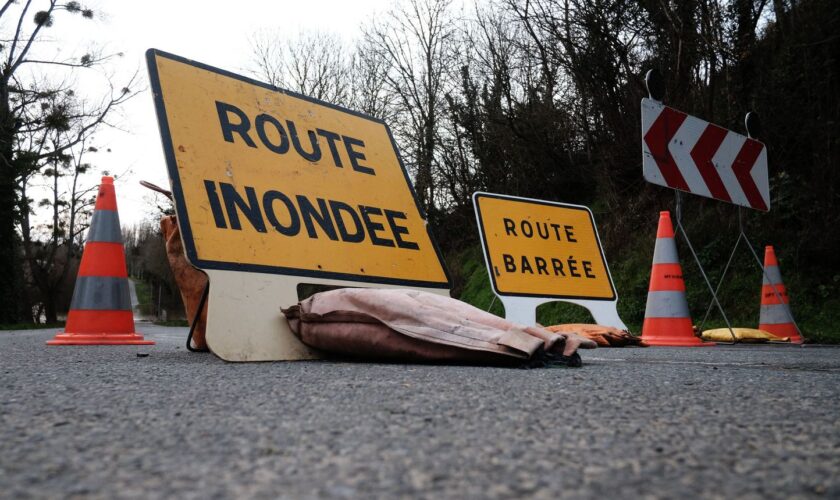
x: 688, y: 154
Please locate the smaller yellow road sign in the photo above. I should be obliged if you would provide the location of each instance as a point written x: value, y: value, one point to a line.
x: 543, y: 250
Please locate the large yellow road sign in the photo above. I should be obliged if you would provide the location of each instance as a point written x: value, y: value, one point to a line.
x: 536, y: 248
x: 270, y: 181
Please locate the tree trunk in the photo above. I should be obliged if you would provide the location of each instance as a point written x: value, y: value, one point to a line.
x: 744, y: 43
x: 9, y: 286
x: 10, y: 290
x: 50, y: 314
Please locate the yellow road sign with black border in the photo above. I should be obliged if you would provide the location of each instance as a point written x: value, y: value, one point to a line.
x: 536, y: 248
x: 271, y: 181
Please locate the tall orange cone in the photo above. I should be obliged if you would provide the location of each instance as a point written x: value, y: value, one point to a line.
x: 775, y: 316
x: 667, y: 319
x: 100, y: 313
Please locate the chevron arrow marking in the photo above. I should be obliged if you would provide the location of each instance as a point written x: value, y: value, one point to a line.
x: 743, y: 165
x: 702, y: 154
x: 686, y: 153
x: 658, y: 138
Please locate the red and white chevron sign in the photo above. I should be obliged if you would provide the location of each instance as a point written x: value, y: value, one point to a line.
x: 682, y: 152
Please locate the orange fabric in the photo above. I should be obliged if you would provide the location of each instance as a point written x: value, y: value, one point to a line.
x: 191, y: 281
x: 604, y: 336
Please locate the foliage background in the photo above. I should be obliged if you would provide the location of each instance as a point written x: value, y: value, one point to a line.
x: 540, y: 98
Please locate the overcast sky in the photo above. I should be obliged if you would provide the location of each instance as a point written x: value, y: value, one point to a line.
x: 213, y: 32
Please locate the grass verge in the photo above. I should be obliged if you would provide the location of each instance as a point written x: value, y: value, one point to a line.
x: 816, y: 309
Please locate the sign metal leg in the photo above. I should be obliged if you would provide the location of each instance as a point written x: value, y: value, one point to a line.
x: 682, y: 231
x: 742, y: 235
x: 720, y: 282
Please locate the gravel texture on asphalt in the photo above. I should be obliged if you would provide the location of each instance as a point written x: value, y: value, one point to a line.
x: 725, y: 422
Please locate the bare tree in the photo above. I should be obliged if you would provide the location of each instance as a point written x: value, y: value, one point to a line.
x: 40, y: 120
x: 368, y: 87
x: 315, y: 64
x: 51, y: 248
x: 418, y: 39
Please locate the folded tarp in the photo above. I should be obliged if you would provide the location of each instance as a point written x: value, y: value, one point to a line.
x: 604, y: 336
x: 414, y: 326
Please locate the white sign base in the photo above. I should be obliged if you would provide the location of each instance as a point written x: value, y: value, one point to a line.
x: 523, y: 310
x: 244, y: 321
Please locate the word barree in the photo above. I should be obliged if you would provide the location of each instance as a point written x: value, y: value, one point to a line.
x: 523, y: 265
x: 330, y: 216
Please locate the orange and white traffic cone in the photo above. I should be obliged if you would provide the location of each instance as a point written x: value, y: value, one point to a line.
x: 775, y: 316
x: 100, y: 313
x: 667, y: 319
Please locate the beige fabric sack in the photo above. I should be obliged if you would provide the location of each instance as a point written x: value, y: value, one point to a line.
x: 414, y: 326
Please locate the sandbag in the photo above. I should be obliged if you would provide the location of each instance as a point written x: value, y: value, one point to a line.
x: 604, y: 336
x: 414, y: 326
x: 191, y: 281
x: 745, y: 335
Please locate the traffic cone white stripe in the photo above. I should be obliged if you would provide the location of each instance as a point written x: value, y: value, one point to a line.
x: 667, y: 304
x: 101, y: 293
x: 105, y: 227
x: 774, y: 275
x: 665, y: 251
x: 775, y: 314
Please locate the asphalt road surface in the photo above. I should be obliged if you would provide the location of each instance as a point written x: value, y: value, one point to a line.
x: 725, y: 422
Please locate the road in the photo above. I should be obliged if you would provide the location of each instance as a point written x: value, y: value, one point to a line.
x: 132, y: 292
x: 102, y: 422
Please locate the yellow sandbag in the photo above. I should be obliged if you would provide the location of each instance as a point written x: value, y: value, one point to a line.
x: 748, y: 335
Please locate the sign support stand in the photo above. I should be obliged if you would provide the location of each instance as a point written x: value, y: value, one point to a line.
x: 497, y: 217
x: 656, y: 91
x: 204, y: 294
x: 742, y: 235
x: 713, y: 291
x: 700, y: 155
x: 751, y: 121
x: 523, y: 310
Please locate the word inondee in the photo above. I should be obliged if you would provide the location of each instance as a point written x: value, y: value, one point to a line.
x: 335, y: 219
